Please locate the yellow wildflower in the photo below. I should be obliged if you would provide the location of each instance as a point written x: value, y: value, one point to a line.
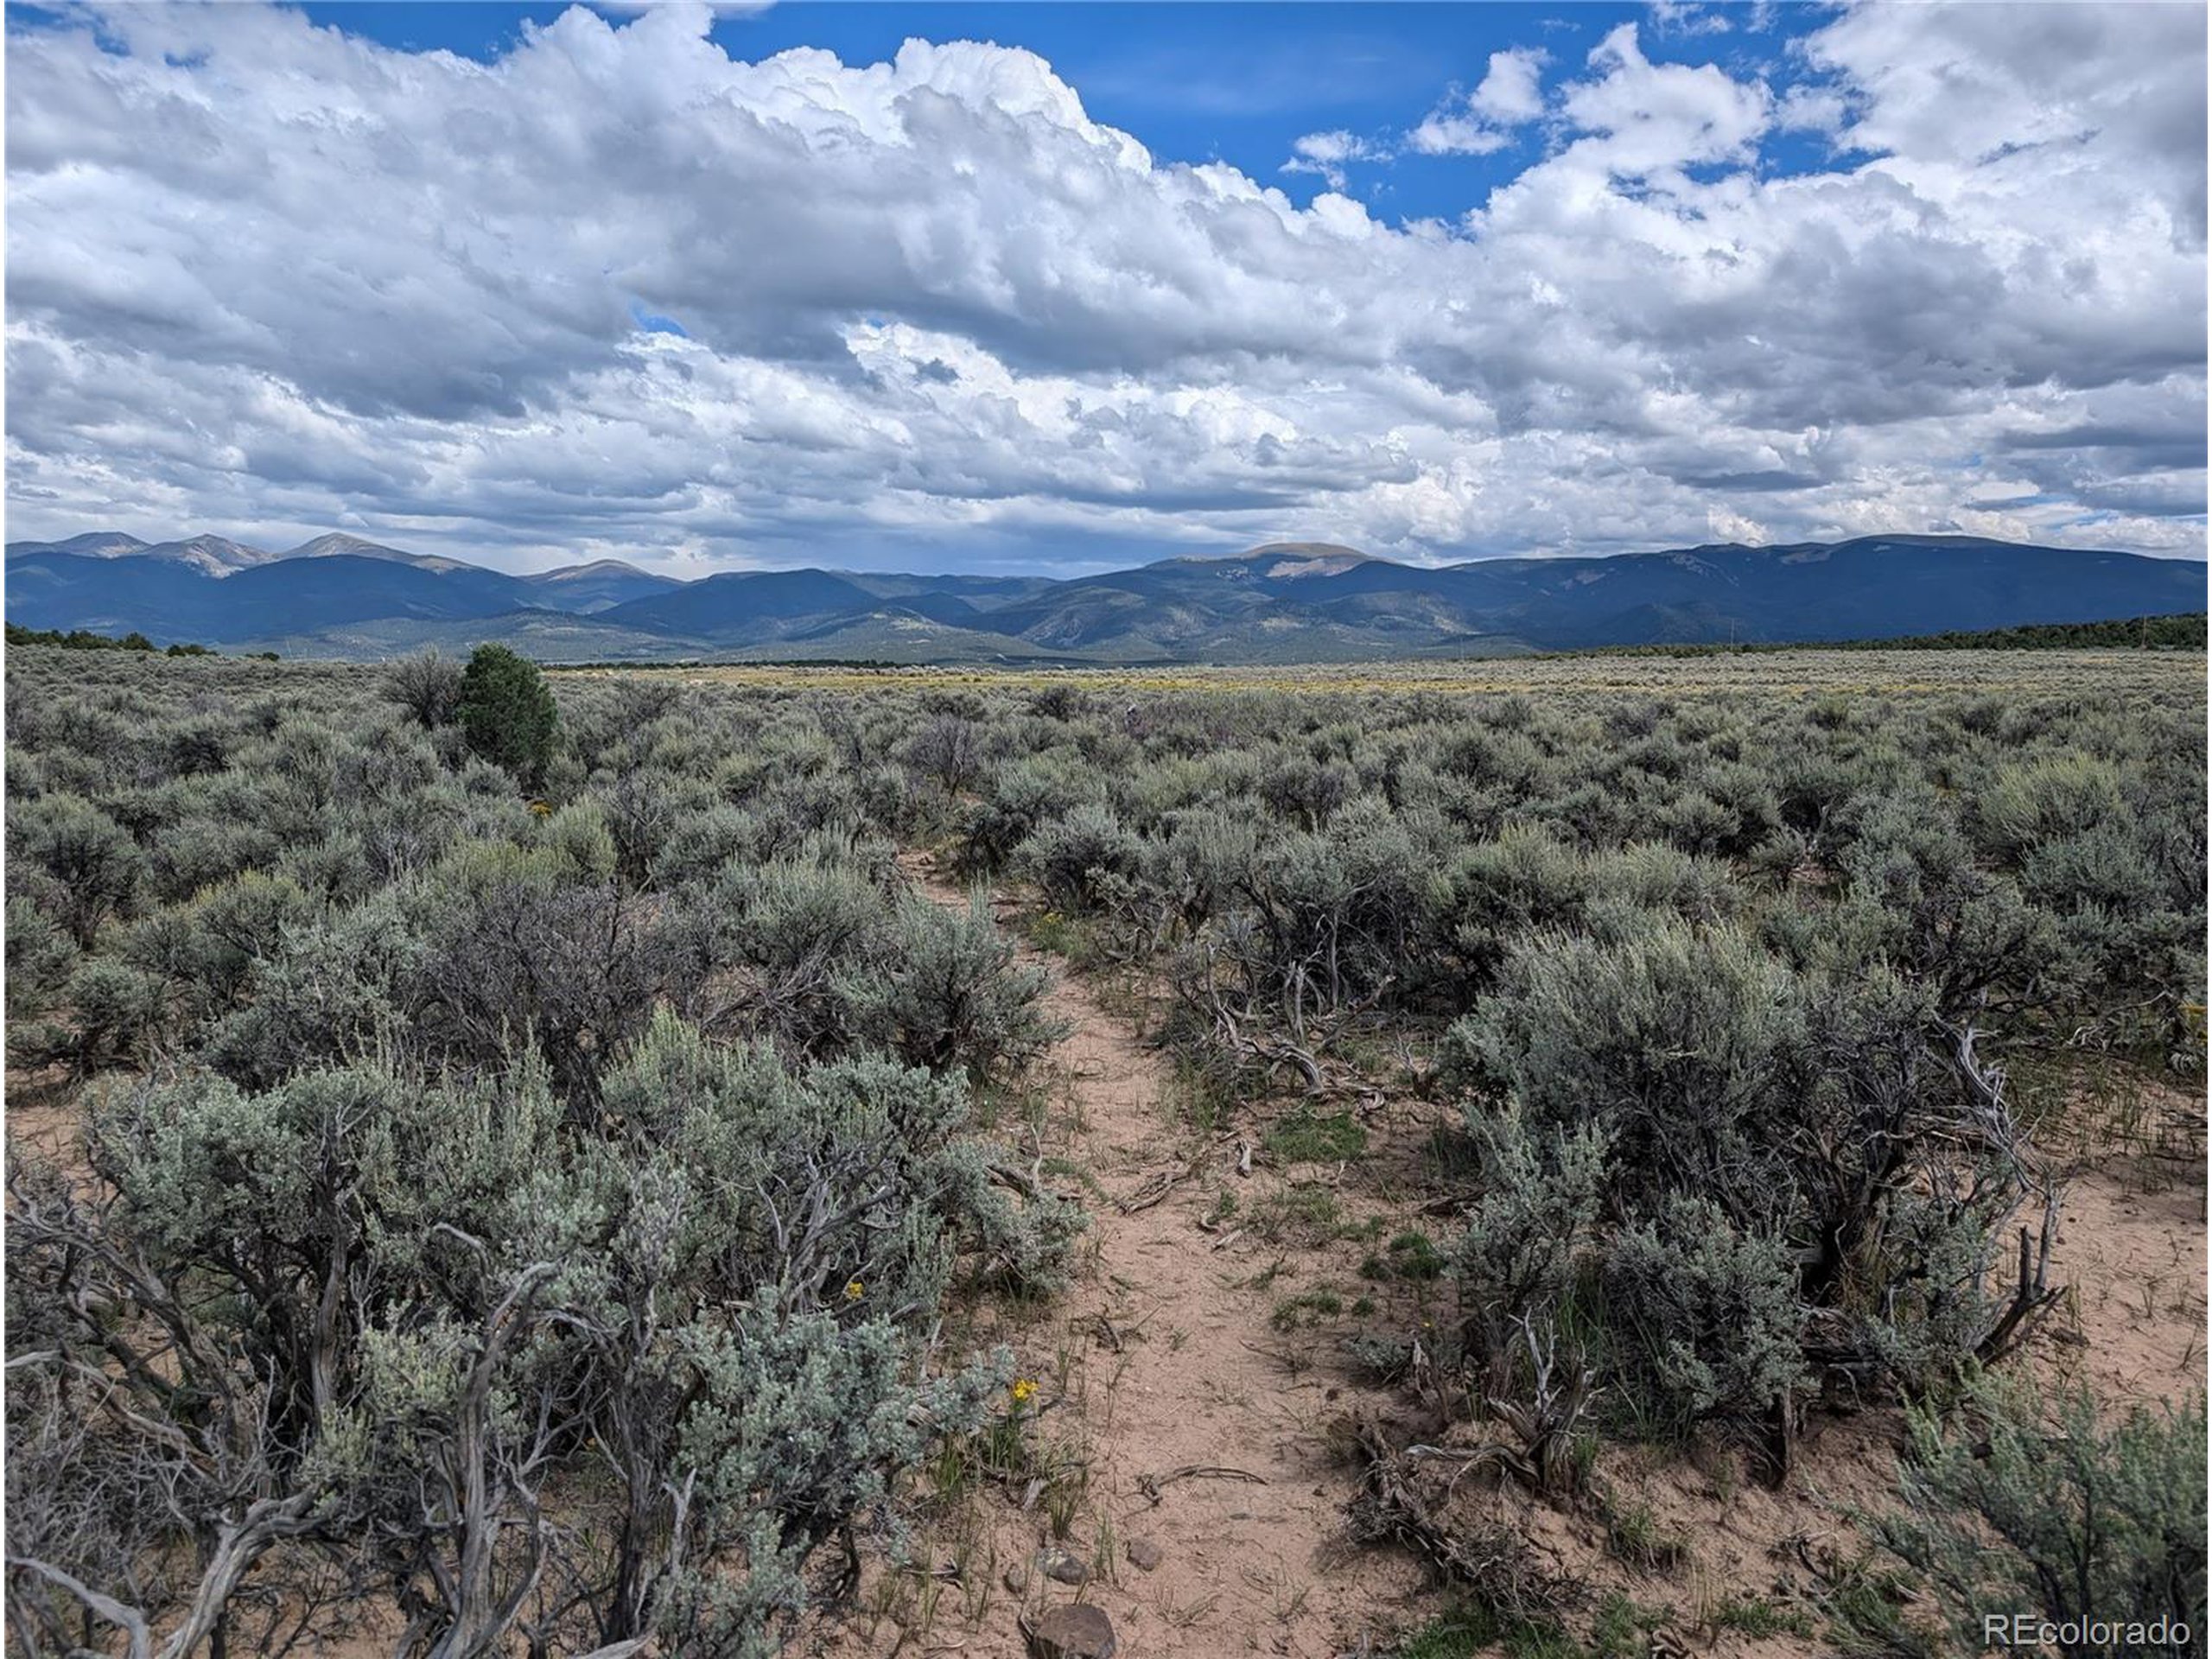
x: 1024, y: 1390
x: 855, y: 1290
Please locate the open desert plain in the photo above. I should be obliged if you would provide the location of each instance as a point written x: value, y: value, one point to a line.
x: 1602, y: 1154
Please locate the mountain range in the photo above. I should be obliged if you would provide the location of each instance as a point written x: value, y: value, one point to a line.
x: 341, y: 596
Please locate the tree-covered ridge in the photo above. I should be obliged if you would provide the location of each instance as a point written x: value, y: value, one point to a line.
x: 2180, y: 632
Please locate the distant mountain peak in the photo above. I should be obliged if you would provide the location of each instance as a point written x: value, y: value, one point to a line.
x: 217, y: 556
x: 1306, y: 551
x: 1279, y: 562
x: 589, y: 589
x: 338, y: 542
x: 1295, y: 561
x: 596, y: 567
x: 92, y: 545
x: 1277, y: 551
x: 214, y: 556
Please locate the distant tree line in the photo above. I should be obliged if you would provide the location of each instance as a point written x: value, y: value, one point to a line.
x: 85, y: 639
x: 2182, y: 632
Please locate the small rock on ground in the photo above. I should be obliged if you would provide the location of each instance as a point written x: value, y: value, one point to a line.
x: 1144, y: 1554
x: 1080, y: 1631
x: 1061, y: 1568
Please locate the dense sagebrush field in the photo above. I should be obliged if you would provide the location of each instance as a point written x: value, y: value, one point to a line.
x: 625, y: 1195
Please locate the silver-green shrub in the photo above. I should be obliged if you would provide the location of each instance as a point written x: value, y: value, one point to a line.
x: 1705, y: 1319
x: 2018, y: 1502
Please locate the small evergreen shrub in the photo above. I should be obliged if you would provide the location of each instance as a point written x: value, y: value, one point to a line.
x: 1075, y: 859
x: 87, y: 865
x: 1538, y: 1212
x: 1687, y: 1046
x: 948, y: 993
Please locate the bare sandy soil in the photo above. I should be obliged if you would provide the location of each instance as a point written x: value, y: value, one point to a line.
x: 2131, y: 1251
x: 45, y: 1117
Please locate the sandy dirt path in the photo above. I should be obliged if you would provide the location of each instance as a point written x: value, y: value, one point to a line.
x: 1184, y: 1374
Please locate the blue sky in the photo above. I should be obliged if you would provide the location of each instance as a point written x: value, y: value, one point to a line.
x: 1237, y: 83
x: 1057, y: 287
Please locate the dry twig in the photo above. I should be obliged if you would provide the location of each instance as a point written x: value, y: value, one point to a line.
x: 1150, y: 1484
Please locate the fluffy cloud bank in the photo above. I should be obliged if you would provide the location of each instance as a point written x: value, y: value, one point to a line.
x: 617, y: 291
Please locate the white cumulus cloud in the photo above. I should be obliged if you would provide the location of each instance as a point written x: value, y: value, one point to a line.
x: 1510, y: 94
x: 1325, y: 153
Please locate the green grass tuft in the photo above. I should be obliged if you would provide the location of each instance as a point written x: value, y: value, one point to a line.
x: 1303, y: 1138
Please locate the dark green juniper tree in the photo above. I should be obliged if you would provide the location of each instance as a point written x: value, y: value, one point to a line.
x: 507, y: 711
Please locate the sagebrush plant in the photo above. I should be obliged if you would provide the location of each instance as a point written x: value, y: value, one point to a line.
x: 946, y: 991
x: 2018, y: 1501
x: 1704, y: 1318
x: 1849, y: 1180
x: 79, y: 865
x: 448, y: 1203
x: 1518, y: 1256
x: 1686, y: 1045
x: 1073, y: 857
x: 672, y: 1280
x: 429, y: 685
